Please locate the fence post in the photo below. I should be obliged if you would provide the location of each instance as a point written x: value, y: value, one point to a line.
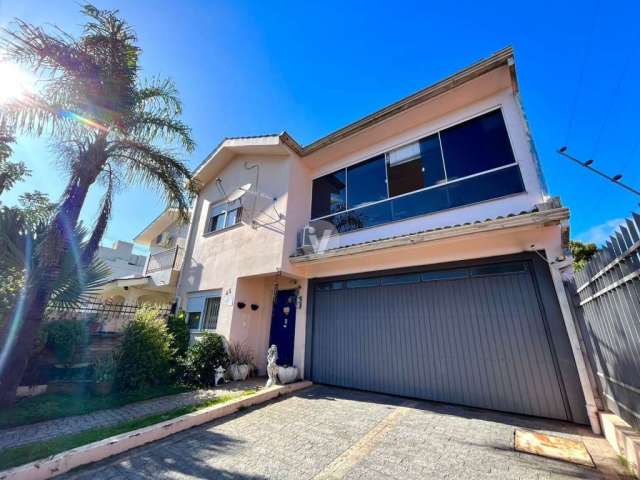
x: 569, y: 323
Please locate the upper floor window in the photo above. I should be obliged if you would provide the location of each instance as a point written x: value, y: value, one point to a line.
x: 224, y: 215
x: 463, y: 164
x: 329, y: 194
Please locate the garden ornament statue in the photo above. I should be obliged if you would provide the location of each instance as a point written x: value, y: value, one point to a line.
x: 219, y: 375
x: 272, y: 368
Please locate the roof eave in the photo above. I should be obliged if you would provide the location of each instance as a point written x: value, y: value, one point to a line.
x: 501, y: 58
x: 553, y: 216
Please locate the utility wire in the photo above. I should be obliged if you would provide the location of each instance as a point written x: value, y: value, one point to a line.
x: 615, y: 179
x: 614, y: 94
x: 585, y: 57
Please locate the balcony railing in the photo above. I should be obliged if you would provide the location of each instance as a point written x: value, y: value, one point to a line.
x: 170, y: 259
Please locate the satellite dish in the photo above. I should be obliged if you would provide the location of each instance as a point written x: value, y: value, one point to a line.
x: 237, y: 194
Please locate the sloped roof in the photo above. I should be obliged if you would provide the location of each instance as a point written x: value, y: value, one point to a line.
x: 501, y: 58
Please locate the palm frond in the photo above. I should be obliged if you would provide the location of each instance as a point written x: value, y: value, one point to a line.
x: 149, y: 126
x: 158, y: 169
x: 159, y: 96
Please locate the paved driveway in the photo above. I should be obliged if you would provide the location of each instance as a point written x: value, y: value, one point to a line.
x: 325, y: 432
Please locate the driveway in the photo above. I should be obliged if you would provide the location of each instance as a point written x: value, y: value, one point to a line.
x: 326, y: 432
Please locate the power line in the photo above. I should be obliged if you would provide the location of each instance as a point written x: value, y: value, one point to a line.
x: 587, y: 164
x: 585, y: 57
x: 614, y: 95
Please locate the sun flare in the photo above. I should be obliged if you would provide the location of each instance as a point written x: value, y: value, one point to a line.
x: 14, y: 82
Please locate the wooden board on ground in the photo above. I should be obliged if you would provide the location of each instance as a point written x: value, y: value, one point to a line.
x: 565, y: 449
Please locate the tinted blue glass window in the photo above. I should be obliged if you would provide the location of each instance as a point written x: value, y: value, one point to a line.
x: 363, y: 282
x: 330, y: 286
x: 477, y: 145
x: 432, y: 160
x: 367, y: 182
x: 420, y: 203
x: 329, y: 194
x: 499, y: 269
x: 484, y: 187
x: 444, y: 275
x: 402, y: 279
x: 415, y: 166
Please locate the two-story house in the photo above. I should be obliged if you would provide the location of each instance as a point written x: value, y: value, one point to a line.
x: 157, y: 278
x: 412, y: 252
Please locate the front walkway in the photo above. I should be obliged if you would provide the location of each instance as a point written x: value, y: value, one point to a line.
x: 326, y: 432
x: 38, y: 432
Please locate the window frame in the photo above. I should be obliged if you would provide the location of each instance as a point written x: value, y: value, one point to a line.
x: 226, y: 211
x: 201, y: 312
x: 446, y: 180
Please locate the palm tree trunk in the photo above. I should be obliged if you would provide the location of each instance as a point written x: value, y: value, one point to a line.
x: 23, y: 326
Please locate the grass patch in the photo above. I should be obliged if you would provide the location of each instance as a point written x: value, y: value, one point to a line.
x: 50, y: 406
x: 13, y: 457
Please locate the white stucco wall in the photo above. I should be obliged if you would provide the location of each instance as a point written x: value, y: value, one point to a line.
x: 215, y: 261
x: 121, y: 260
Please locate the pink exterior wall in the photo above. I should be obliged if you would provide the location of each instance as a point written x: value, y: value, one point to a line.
x: 243, y: 260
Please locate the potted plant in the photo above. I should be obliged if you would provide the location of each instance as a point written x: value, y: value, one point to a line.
x: 241, y: 361
x: 104, y: 371
x: 287, y: 374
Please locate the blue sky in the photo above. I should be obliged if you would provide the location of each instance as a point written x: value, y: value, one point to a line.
x: 246, y: 68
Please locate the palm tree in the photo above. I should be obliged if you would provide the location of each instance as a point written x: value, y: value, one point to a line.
x: 108, y: 126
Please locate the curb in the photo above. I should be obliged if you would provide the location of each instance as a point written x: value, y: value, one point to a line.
x: 94, y: 452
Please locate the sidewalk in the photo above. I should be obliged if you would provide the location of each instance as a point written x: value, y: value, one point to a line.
x: 37, y: 432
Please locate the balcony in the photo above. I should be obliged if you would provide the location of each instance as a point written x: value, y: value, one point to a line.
x: 166, y: 260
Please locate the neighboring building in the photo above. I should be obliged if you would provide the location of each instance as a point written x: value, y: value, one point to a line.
x: 157, y: 279
x: 432, y: 279
x: 121, y: 260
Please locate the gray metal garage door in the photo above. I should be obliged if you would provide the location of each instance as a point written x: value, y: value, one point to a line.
x: 474, y: 336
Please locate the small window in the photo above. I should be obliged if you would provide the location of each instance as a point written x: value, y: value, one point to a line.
x: 211, y: 310
x: 224, y: 215
x: 363, y: 282
x: 401, y: 279
x: 202, y: 312
x: 499, y: 269
x: 193, y: 320
x: 327, y: 286
x: 329, y: 194
x: 444, y: 275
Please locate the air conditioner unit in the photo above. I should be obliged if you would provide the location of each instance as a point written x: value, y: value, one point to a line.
x: 304, y: 239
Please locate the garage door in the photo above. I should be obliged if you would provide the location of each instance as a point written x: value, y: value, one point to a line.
x: 473, y: 335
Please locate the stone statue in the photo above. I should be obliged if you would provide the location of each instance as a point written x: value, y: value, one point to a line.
x: 272, y: 368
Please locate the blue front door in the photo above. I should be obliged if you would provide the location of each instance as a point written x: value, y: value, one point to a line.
x: 283, y: 326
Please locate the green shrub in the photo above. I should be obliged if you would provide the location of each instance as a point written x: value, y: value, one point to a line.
x: 66, y: 338
x: 177, y: 326
x: 146, y: 353
x: 104, y: 367
x: 203, y: 357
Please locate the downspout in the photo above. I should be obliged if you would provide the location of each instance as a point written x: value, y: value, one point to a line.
x: 576, y: 348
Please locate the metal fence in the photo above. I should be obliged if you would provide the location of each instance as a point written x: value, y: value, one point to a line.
x: 103, y: 317
x: 607, y: 305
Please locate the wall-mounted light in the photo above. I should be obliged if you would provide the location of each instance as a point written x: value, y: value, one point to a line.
x: 254, y: 307
x: 241, y: 305
x: 299, y: 302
